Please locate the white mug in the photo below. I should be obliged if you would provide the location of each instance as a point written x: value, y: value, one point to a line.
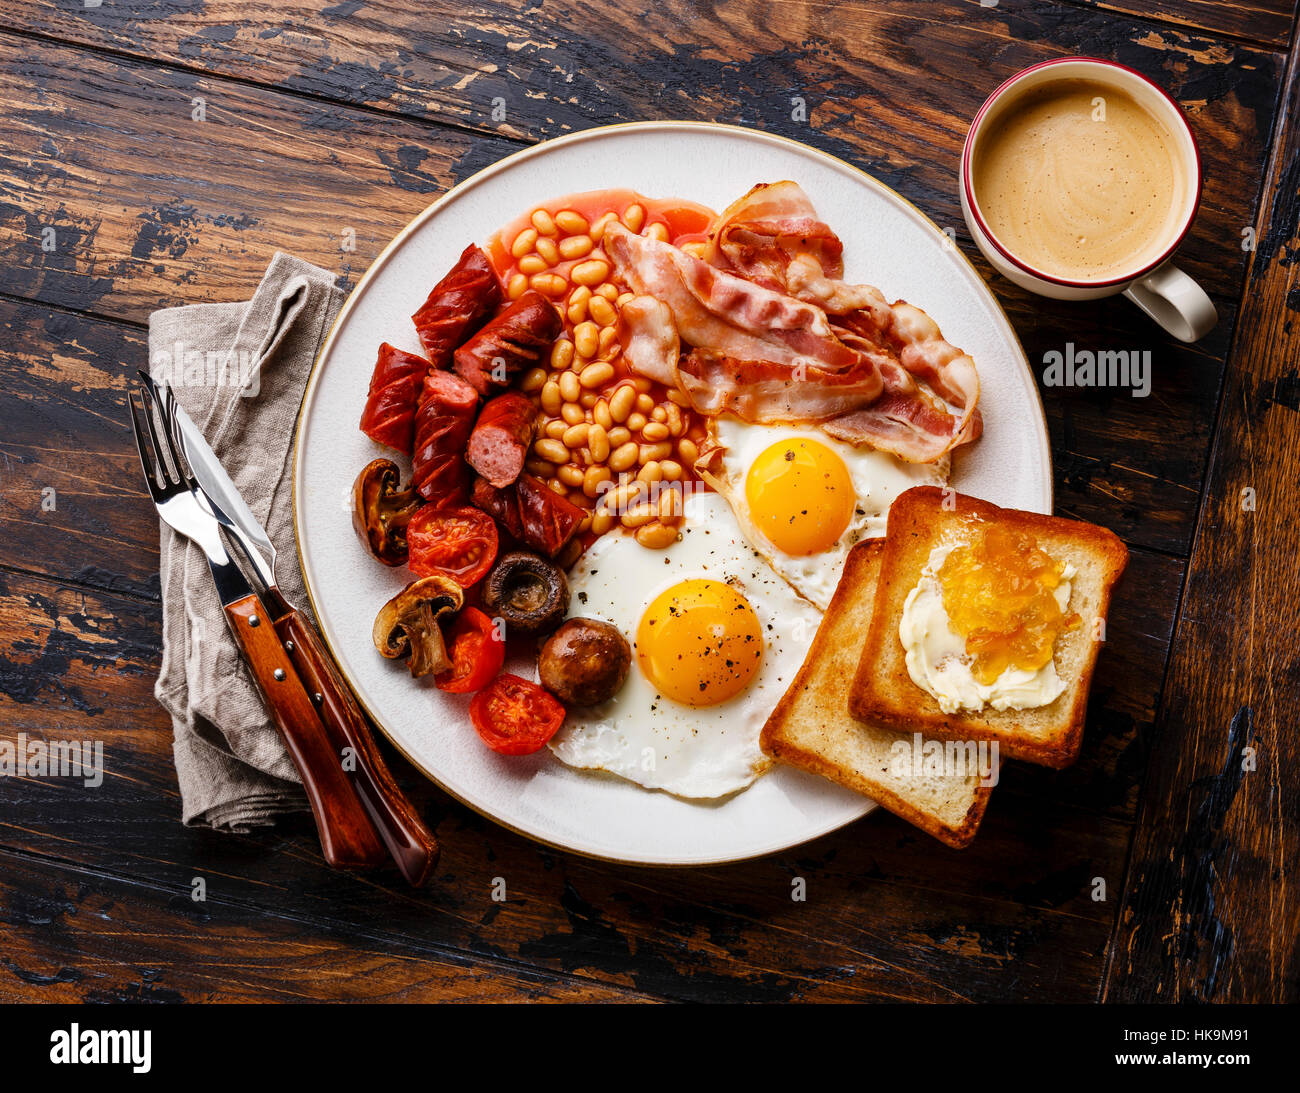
x: 1159, y: 288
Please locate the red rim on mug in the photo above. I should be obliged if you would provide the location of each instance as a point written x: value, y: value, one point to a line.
x: 969, y: 187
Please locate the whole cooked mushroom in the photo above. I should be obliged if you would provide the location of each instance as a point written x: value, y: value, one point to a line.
x: 527, y: 591
x: 381, y: 510
x: 409, y: 624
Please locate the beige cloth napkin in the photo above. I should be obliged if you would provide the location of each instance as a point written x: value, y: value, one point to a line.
x: 239, y: 371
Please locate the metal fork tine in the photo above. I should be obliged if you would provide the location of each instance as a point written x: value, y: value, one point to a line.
x: 166, y: 455
x: 150, y: 473
x: 165, y: 399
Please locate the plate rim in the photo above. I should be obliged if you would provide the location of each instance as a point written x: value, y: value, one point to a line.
x: 483, y: 175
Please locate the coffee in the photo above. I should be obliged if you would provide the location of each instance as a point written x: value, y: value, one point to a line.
x: 1080, y: 181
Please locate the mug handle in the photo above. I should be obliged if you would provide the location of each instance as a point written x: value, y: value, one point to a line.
x: 1175, y: 301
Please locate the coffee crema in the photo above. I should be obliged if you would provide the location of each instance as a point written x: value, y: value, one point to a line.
x: 1079, y: 181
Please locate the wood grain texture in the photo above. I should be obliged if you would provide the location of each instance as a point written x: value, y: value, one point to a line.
x: 151, y: 208
x: 77, y: 935
x: 1267, y: 22
x: 67, y: 461
x: 1211, y: 911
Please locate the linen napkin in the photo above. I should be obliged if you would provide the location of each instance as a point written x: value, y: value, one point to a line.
x: 239, y: 371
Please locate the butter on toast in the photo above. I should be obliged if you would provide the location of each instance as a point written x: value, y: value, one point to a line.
x: 811, y: 727
x: 883, y: 691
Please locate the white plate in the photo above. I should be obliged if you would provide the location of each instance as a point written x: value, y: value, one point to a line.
x: 887, y: 242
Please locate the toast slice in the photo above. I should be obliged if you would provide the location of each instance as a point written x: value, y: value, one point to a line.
x: 811, y: 727
x: 883, y: 692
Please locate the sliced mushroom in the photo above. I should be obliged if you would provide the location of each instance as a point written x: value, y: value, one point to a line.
x: 381, y: 510
x: 410, y: 624
x: 527, y: 591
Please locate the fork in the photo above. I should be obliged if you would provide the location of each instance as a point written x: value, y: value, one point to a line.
x: 347, y: 834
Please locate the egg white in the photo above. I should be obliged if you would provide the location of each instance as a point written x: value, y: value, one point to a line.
x: 694, y: 752
x: 877, y: 477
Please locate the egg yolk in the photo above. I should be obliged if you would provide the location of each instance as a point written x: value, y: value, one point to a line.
x: 699, y: 642
x: 800, y: 496
x: 998, y: 591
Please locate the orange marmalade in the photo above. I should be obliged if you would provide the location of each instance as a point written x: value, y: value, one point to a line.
x: 999, y: 593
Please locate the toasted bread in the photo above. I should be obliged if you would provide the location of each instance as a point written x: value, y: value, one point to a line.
x: 811, y: 727
x: 883, y: 692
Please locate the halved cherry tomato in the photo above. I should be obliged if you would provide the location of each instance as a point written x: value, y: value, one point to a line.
x: 456, y: 543
x: 477, y: 653
x: 515, y: 716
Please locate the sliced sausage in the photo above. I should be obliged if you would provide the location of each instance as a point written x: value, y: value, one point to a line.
x: 389, y: 414
x: 442, y: 427
x: 538, y: 517
x: 499, y: 443
x: 519, y: 338
x: 458, y: 305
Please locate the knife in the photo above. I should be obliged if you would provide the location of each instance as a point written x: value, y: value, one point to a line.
x: 410, y: 843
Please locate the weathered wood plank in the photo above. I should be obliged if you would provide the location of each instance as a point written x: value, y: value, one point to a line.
x: 69, y: 476
x: 76, y: 935
x: 1211, y: 909
x: 117, y: 200
x: 941, y: 923
x: 1267, y: 22
x: 568, y: 66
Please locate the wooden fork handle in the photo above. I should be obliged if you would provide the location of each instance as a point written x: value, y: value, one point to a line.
x: 348, y: 838
x: 411, y: 844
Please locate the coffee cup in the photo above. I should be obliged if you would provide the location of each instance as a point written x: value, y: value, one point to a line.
x: 1079, y: 180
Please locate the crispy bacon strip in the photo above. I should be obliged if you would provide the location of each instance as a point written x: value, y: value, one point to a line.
x: 724, y: 312
x: 779, y: 337
x: 458, y: 305
x: 520, y: 337
x: 766, y: 392
x: 911, y: 337
x: 389, y: 414
x: 758, y: 235
x: 879, y: 403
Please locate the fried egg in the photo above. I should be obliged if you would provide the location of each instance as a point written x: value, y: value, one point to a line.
x: 716, y: 637
x: 803, y: 498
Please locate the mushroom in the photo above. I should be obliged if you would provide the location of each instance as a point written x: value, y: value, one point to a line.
x: 408, y: 624
x: 381, y: 511
x: 527, y: 591
x: 585, y: 662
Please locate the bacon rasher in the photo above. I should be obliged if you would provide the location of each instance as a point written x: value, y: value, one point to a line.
x: 724, y: 312
x: 765, y: 355
x: 758, y: 235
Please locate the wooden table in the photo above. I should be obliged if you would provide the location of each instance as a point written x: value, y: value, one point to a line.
x: 155, y: 154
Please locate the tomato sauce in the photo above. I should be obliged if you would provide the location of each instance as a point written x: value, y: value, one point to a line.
x: 554, y: 248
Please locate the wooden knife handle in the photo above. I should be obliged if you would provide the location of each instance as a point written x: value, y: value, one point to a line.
x: 347, y: 837
x: 411, y: 843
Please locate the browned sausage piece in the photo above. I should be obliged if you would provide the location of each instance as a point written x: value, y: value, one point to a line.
x: 458, y: 305
x: 519, y: 338
x: 499, y: 443
x: 442, y: 427
x: 584, y: 662
x: 534, y: 514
